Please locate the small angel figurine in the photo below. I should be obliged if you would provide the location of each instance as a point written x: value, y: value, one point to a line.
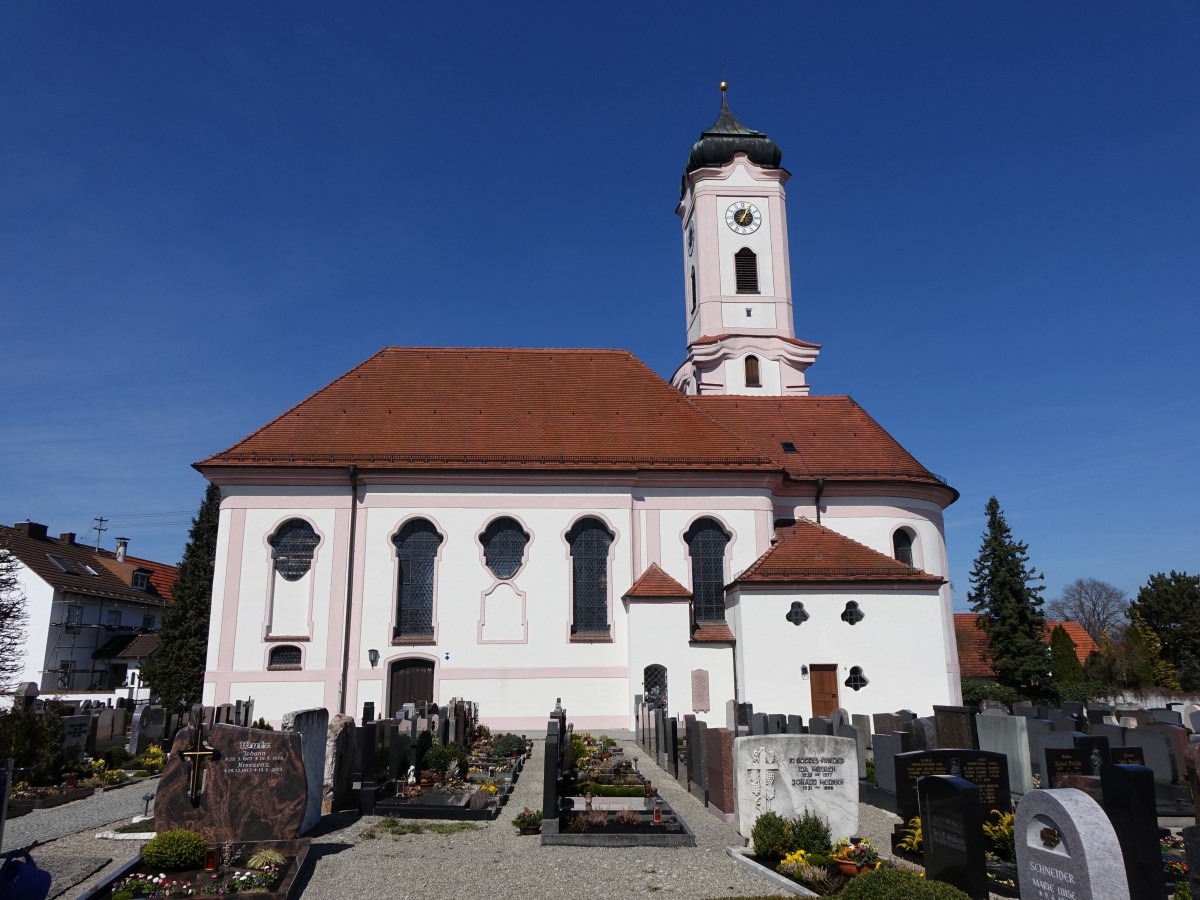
x: 412, y: 774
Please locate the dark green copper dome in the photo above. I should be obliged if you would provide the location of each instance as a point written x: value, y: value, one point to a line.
x: 728, y: 136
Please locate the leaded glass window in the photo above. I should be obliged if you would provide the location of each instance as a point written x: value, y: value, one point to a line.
x: 284, y: 655
x: 504, y: 542
x: 797, y: 615
x: 654, y: 684
x: 852, y: 615
x: 706, y: 541
x: 416, y: 548
x: 590, y: 541
x: 292, y: 547
x: 902, y: 546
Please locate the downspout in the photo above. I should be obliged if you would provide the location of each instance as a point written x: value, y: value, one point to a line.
x: 820, y: 491
x: 352, y: 471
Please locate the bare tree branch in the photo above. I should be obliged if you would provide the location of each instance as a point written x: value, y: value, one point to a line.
x: 14, y: 619
x: 1094, y: 604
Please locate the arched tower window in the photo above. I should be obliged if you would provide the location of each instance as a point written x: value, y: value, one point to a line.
x: 590, y: 541
x: 693, y: 282
x: 417, y: 545
x: 504, y: 542
x: 292, y: 547
x: 706, y: 541
x: 753, y: 379
x: 745, y: 269
x: 902, y: 546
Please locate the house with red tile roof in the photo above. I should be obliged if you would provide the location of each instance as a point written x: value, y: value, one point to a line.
x: 514, y: 525
x: 94, y: 615
x: 973, y: 644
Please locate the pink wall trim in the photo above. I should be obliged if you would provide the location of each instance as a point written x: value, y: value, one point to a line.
x: 232, y: 592
x: 525, y: 672
x: 223, y: 680
x: 488, y: 501
x: 356, y: 603
x: 291, y: 501
x: 483, y: 595
x: 334, y: 629
x: 653, y: 539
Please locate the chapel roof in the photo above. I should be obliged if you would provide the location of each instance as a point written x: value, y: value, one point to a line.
x: 973, y: 644
x: 655, y: 584
x: 83, y: 570
x: 727, y: 136
x: 808, y: 553
x: 128, y: 646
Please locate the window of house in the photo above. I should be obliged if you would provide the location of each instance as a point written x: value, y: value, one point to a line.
x: 141, y: 581
x: 148, y: 623
x: 113, y: 618
x: 417, y: 546
x: 74, y: 618
x: 292, y: 547
x: 285, y: 656
x: 706, y: 542
x: 745, y: 270
x: 64, y: 674
x: 590, y: 541
x: 902, y: 546
x: 504, y: 542
x: 752, y: 377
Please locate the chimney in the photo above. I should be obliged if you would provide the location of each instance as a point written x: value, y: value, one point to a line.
x: 35, y: 530
x: 122, y: 548
x: 67, y: 537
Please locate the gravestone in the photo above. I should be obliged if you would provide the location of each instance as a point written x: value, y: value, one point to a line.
x: 885, y: 723
x: 952, y: 829
x: 1177, y: 741
x: 925, y: 733
x: 861, y: 722
x: 776, y: 724
x: 1170, y: 716
x: 692, y: 763
x: 1130, y: 805
x: 838, y: 717
x: 1066, y: 848
x: 1073, y: 768
x: 698, y: 782
x: 987, y: 771
x: 1008, y: 735
x: 1191, y: 717
x: 1041, y: 741
x: 147, y: 728
x: 820, y: 725
x: 672, y: 766
x: 955, y: 727
x: 887, y: 748
x: 1072, y: 708
x: 906, y: 716
x: 795, y: 725
x: 789, y: 773
x: 338, y: 780
x: 75, y: 731
x: 737, y: 716
x: 1191, y: 848
x: 988, y: 707
x: 313, y: 727
x: 245, y: 784
x: 718, y: 757
x: 758, y: 723
x: 1157, y: 750
x: 1127, y: 756
x: 225, y: 714
x: 860, y: 747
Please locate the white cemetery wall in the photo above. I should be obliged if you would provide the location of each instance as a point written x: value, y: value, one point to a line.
x: 790, y: 773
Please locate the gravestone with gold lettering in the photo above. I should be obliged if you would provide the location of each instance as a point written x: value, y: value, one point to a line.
x: 790, y: 773
x: 233, y: 784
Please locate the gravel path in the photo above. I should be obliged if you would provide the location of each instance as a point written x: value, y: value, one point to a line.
x: 89, y: 813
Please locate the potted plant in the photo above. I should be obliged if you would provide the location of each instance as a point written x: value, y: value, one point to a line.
x: 855, y: 857
x: 528, y: 821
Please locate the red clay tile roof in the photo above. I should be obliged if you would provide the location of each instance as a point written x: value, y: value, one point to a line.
x: 713, y: 338
x: 833, y: 437
x: 510, y: 409
x: 160, y: 576
x: 972, y: 644
x: 712, y: 632
x: 806, y: 553
x: 657, y: 584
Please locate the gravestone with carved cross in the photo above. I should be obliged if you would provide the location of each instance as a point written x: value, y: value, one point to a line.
x: 790, y: 773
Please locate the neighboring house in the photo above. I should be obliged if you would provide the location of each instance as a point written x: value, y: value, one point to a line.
x: 514, y: 526
x: 973, y: 644
x: 93, y: 614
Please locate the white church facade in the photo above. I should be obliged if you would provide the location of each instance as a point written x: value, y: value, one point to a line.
x: 512, y: 526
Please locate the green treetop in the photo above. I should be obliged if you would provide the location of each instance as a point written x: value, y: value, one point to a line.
x: 1170, y: 607
x: 1064, y: 662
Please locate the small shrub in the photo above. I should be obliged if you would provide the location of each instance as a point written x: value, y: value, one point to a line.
x: 898, y: 884
x: 175, y: 850
x: 264, y: 858
x: 441, y: 758
x: 976, y: 689
x: 1001, y: 836
x: 914, y: 838
x: 507, y: 743
x: 772, y: 837
x: 1183, y: 890
x: 871, y: 771
x: 116, y: 757
x: 628, y: 817
x: 527, y: 818
x: 810, y: 833
x: 261, y: 725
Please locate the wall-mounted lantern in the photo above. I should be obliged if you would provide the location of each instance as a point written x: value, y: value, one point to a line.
x: 804, y: 672
x: 373, y: 656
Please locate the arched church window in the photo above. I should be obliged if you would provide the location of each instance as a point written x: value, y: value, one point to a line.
x: 504, y: 542
x: 285, y: 656
x: 902, y: 546
x: 590, y: 541
x: 654, y: 686
x: 417, y: 545
x: 693, y: 289
x: 753, y: 379
x: 706, y: 541
x: 292, y: 547
x: 745, y: 270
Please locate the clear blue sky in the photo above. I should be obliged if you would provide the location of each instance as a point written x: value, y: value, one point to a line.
x: 208, y: 211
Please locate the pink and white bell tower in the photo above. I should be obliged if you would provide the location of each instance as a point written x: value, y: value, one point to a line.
x: 737, y: 278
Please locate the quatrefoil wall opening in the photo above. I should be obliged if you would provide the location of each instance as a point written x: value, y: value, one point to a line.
x: 852, y: 615
x: 857, y: 680
x: 797, y: 615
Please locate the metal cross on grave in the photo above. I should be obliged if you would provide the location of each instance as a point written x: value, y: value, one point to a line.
x: 763, y: 769
x: 196, y: 755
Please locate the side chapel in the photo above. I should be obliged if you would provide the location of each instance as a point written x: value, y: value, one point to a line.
x: 512, y: 526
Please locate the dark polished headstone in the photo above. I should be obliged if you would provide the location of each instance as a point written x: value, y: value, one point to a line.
x: 820, y: 725
x: 1191, y: 849
x: 1127, y: 756
x: 955, y: 727
x: 952, y: 827
x: 758, y: 723
x: 1061, y: 762
x: 718, y: 757
x: 776, y: 724
x: 698, y: 783
x: 694, y: 751
x: 987, y: 771
x: 254, y: 787
x: 673, y: 747
x: 1130, y: 805
x: 795, y: 725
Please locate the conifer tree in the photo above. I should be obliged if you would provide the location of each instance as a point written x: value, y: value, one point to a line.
x: 1064, y: 662
x: 175, y: 670
x: 1005, y: 594
x: 1144, y: 663
x: 1170, y: 607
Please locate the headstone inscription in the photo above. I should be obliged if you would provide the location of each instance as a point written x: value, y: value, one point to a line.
x: 1041, y: 741
x: 789, y: 773
x: 244, y: 784
x: 313, y: 727
x: 1130, y: 805
x: 987, y: 771
x: 1066, y: 848
x: 952, y: 828
x: 700, y: 693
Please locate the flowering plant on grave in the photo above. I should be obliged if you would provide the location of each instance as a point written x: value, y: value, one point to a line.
x: 527, y: 818
x: 863, y: 854
x: 1175, y: 868
x: 141, y: 885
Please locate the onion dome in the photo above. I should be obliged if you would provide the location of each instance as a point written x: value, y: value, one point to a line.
x: 728, y: 136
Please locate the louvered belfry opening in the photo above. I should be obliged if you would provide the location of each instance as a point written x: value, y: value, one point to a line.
x: 745, y: 267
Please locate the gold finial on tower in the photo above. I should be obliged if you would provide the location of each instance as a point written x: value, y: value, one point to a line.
x: 724, y: 86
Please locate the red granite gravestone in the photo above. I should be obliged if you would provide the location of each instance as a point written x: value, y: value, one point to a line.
x: 718, y: 757
x: 251, y: 785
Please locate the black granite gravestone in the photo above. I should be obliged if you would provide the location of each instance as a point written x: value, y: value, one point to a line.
x: 952, y: 827
x: 987, y: 771
x: 1130, y: 805
x: 1191, y: 845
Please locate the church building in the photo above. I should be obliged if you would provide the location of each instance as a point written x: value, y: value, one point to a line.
x: 511, y: 526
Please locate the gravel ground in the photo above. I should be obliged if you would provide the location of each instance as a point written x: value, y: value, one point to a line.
x: 493, y: 861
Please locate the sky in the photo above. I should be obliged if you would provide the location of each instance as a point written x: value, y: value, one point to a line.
x: 210, y: 211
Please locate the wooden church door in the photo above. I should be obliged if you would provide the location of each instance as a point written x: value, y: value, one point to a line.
x: 824, y: 686
x: 411, y: 682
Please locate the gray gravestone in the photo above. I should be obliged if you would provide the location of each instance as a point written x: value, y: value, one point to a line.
x: 790, y: 773
x: 955, y: 727
x: 147, y: 728
x: 338, y: 783
x: 838, y: 717
x: 820, y: 725
x: 886, y: 748
x: 860, y: 746
x: 75, y: 730
x: 1156, y: 750
x: 1066, y: 847
x: 313, y: 727
x: 862, y: 723
x: 1041, y: 741
x: 795, y: 725
x: 925, y: 733
x: 758, y: 723
x: 885, y: 723
x: 1008, y: 735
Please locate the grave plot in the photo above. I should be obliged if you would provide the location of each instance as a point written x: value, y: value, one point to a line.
x: 594, y: 797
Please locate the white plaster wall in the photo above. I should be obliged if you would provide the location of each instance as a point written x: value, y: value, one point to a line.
x: 274, y: 698
x: 898, y: 644
x: 737, y: 514
x: 525, y: 703
x: 39, y: 601
x: 873, y: 520
x: 734, y: 314
x: 729, y: 242
x: 217, y: 607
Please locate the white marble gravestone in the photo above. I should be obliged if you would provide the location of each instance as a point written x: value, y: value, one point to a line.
x: 1066, y: 848
x: 1009, y: 735
x: 789, y: 773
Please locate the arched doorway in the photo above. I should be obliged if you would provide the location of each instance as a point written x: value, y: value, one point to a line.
x: 410, y: 680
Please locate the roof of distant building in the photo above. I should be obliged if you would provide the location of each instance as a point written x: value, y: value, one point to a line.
x: 973, y: 644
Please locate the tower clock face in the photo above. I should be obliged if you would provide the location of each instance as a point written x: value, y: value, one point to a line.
x: 743, y: 217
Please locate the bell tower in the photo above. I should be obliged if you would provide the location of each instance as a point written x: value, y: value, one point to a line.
x: 737, y: 278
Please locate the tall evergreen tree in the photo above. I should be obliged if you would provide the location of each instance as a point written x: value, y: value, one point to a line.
x: 1170, y: 607
x: 1064, y: 661
x: 175, y: 671
x: 1009, y: 601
